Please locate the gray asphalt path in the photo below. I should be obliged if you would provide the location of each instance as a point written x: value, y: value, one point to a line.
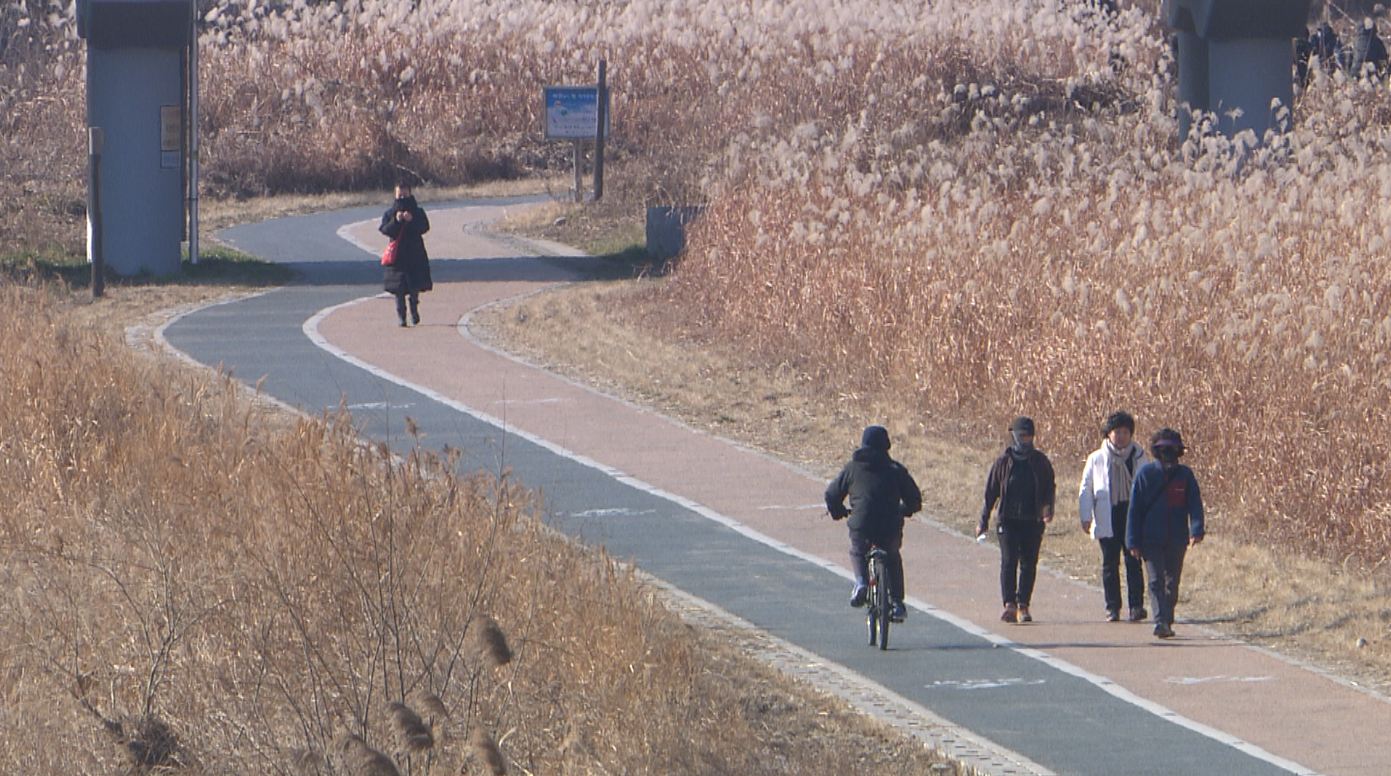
x: 1057, y: 719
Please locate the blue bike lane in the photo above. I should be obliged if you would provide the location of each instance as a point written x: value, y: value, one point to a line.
x: 1056, y: 719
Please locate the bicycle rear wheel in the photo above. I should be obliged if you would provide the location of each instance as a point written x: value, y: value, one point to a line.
x: 882, y: 604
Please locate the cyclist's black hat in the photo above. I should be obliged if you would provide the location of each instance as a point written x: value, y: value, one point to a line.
x: 1115, y: 420
x: 876, y: 437
x: 1022, y: 425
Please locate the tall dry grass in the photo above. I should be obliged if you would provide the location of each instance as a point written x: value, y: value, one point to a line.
x: 980, y: 201
x: 189, y: 592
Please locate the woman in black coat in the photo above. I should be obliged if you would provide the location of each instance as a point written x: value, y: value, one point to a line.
x: 409, y: 276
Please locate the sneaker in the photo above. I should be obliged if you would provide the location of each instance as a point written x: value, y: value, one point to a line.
x: 1024, y: 615
x: 899, y: 613
x: 1114, y: 615
x: 1011, y: 613
x: 1163, y: 631
x: 858, y: 596
x: 415, y: 318
x: 403, y: 323
x: 1138, y: 614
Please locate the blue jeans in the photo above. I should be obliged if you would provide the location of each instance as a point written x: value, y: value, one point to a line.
x: 891, y: 541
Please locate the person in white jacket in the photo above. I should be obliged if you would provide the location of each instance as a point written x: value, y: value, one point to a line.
x: 1104, y: 504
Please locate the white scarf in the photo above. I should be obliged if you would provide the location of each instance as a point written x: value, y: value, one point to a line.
x: 1120, y: 475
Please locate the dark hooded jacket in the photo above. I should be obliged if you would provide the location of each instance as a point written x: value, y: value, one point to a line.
x: 1035, y: 505
x: 881, y: 492
x: 411, y: 272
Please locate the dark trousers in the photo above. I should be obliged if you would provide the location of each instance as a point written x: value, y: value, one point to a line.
x: 890, y: 541
x: 1112, y: 551
x: 1164, y: 564
x: 1020, y: 541
x: 401, y: 304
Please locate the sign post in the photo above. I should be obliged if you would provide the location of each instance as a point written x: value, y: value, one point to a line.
x: 600, y: 125
x: 94, y: 144
x: 574, y: 113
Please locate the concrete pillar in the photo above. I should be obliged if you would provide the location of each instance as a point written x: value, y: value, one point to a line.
x: 141, y: 183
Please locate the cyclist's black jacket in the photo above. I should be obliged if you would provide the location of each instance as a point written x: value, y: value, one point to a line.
x: 881, y: 492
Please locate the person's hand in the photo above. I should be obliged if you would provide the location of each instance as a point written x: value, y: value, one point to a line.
x: 1086, y: 526
x: 1193, y: 541
x: 1135, y: 552
x: 1048, y: 516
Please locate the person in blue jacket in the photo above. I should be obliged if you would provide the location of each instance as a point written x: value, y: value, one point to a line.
x: 1166, y: 518
x: 882, y: 494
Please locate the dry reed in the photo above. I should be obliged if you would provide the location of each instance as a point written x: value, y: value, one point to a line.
x: 490, y: 642
x: 411, y: 728
x: 487, y: 752
x: 362, y: 760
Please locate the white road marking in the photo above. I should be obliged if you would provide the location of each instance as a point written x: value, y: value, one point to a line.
x: 552, y: 400
x: 984, y: 684
x: 1190, y: 680
x: 613, y: 512
x: 375, y: 405
x: 801, y: 507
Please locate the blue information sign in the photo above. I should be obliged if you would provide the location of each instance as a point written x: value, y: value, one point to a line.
x: 572, y: 112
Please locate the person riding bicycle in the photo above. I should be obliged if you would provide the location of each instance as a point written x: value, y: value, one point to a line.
x: 882, y: 493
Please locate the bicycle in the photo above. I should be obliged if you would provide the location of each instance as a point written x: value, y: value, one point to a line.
x: 878, y: 602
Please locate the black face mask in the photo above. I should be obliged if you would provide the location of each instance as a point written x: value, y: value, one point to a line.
x: 405, y: 203
x: 1166, y: 454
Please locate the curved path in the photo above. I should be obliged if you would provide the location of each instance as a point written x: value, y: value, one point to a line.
x: 745, y: 533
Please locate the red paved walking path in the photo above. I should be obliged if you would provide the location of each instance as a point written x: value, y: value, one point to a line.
x: 1283, y: 708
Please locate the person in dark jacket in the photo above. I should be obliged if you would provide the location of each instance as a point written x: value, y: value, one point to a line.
x: 1021, y: 482
x: 1166, y: 518
x: 409, y: 276
x: 882, y: 493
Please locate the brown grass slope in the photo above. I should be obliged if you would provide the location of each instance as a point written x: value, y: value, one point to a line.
x: 194, y: 586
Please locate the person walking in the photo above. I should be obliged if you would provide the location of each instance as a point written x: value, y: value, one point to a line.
x: 1103, y: 504
x: 1166, y: 518
x: 409, y: 275
x: 882, y: 494
x: 1021, y: 482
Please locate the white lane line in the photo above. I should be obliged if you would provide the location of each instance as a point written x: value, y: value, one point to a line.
x: 345, y: 233
x: 1191, y: 680
x: 612, y: 512
x: 311, y: 330
x: 984, y: 684
x: 520, y: 402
